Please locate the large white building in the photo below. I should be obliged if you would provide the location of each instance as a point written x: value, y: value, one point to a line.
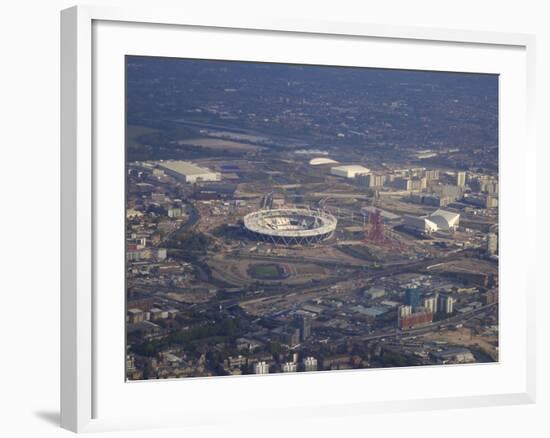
x: 290, y: 367
x: 438, y: 220
x: 445, y: 220
x: 189, y: 172
x: 350, y: 171
x: 492, y: 243
x: 261, y: 368
x: 420, y: 223
x: 310, y: 364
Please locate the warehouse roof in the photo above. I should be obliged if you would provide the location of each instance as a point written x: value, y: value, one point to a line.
x: 353, y: 168
x: 184, y: 167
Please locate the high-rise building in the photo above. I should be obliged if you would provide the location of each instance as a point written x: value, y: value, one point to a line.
x: 288, y: 335
x: 370, y: 179
x: 490, y: 297
x: 174, y: 212
x: 412, y: 297
x: 403, y: 311
x: 461, y: 179
x: 491, y: 201
x: 446, y: 304
x: 432, y: 174
x: 430, y: 303
x: 310, y: 363
x: 261, y: 368
x: 303, y: 323
x: 492, y: 243
x: 236, y: 361
x: 289, y: 367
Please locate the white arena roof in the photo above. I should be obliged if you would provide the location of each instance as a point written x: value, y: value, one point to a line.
x: 438, y: 220
x: 445, y: 219
x: 420, y: 223
x: 319, y: 161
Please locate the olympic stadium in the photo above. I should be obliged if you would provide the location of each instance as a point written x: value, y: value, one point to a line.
x: 290, y: 226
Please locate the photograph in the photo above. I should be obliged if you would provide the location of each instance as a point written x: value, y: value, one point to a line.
x: 285, y: 218
x: 259, y: 219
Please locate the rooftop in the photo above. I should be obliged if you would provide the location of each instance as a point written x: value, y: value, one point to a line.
x: 352, y: 168
x: 184, y: 167
x: 319, y: 161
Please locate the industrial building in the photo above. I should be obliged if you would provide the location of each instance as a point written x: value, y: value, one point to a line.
x: 189, y: 172
x: 350, y: 171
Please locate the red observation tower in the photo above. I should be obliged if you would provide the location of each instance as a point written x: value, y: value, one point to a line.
x: 376, y: 233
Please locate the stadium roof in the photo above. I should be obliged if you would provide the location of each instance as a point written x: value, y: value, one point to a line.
x: 319, y: 161
x: 291, y: 225
x: 445, y: 219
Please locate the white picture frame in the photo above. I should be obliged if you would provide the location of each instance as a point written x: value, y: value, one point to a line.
x: 82, y: 368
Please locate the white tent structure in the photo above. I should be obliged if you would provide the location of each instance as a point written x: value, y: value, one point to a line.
x: 438, y: 220
x: 420, y: 223
x: 445, y: 220
x: 322, y: 160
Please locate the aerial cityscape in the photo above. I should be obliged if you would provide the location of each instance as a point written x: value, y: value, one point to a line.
x: 293, y: 218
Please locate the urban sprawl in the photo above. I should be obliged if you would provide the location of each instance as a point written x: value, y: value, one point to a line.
x: 280, y: 224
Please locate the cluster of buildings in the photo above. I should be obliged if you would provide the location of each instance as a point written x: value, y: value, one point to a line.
x: 427, y: 186
x: 264, y: 364
x: 311, y: 335
x: 418, y: 311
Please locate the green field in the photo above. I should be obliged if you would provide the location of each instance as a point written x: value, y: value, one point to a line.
x: 133, y: 133
x: 265, y: 271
